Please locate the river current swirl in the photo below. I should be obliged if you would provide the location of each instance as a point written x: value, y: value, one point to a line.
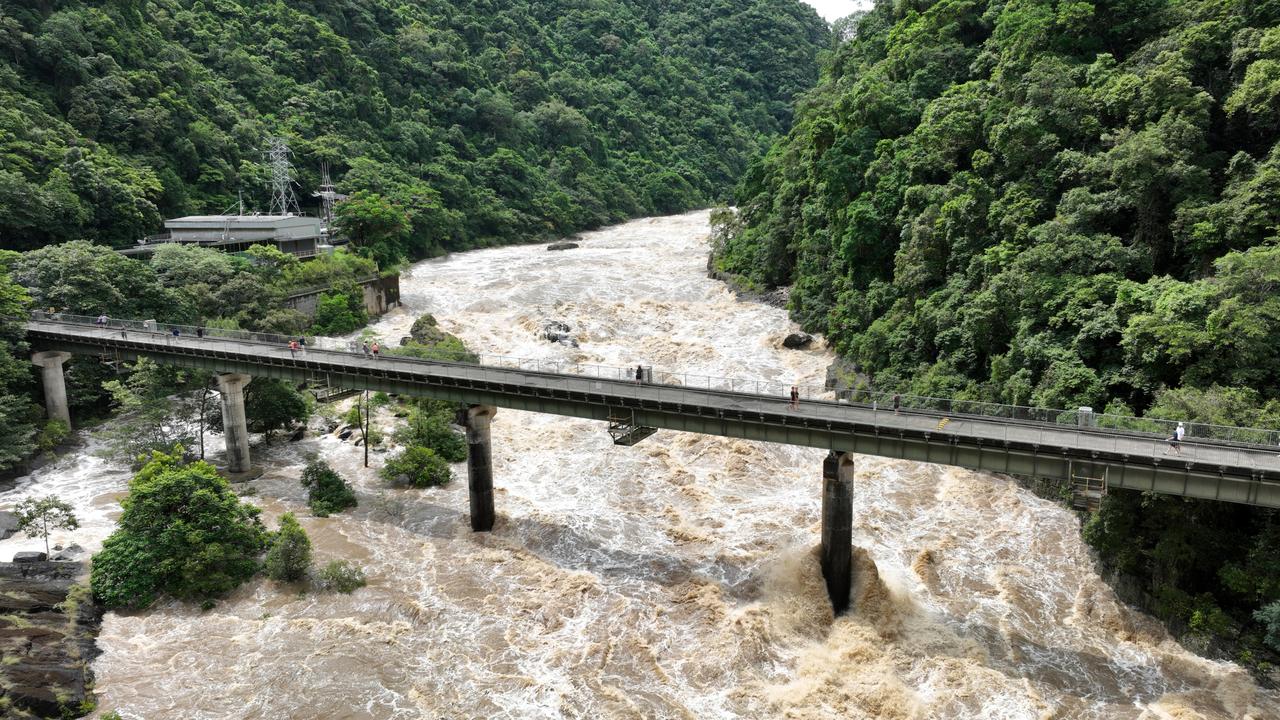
x: 673, y: 579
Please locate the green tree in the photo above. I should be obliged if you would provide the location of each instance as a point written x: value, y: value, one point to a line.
x: 85, y: 279
x: 340, y: 576
x: 182, y: 532
x: 288, y: 552
x: 1269, y: 616
x: 16, y: 409
x: 327, y: 491
x: 416, y: 467
x: 38, y: 517
x: 269, y: 405
x: 158, y: 407
x: 339, y: 312
x: 434, y: 430
x: 376, y: 225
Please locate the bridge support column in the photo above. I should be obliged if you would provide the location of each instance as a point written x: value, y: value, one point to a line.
x: 837, y: 527
x: 55, y: 386
x: 234, y: 427
x: 480, y: 465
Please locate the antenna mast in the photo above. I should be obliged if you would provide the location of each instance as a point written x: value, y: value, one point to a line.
x: 283, y: 201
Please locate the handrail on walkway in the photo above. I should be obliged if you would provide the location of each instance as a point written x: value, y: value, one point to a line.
x: 1082, y: 419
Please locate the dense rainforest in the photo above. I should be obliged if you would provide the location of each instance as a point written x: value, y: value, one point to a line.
x: 452, y: 123
x: 485, y: 122
x: 1053, y: 203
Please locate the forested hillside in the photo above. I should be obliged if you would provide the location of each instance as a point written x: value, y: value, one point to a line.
x: 1053, y: 203
x: 487, y: 122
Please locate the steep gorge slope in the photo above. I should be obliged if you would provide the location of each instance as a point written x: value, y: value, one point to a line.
x: 488, y: 121
x: 1053, y: 203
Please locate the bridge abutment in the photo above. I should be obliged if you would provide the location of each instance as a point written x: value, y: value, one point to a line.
x: 55, y: 386
x: 234, y: 427
x: 477, y: 420
x: 837, y: 527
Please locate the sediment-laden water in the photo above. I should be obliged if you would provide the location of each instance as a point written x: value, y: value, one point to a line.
x: 675, y: 579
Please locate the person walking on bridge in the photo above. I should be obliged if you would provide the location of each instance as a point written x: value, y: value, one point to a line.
x: 293, y: 348
x: 374, y: 349
x: 795, y: 397
x: 1175, y: 440
x: 101, y: 321
x: 897, y: 403
x: 639, y: 374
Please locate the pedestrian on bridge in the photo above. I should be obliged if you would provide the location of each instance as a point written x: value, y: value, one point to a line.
x: 101, y: 321
x: 293, y: 348
x: 639, y: 374
x: 374, y: 349
x: 897, y: 403
x: 364, y: 348
x: 1175, y: 440
x: 200, y: 332
x: 302, y: 345
x: 795, y: 397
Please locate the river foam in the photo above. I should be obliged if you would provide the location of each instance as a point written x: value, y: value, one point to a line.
x: 674, y: 579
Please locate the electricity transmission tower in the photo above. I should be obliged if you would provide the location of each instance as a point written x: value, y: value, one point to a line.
x: 328, y: 197
x: 283, y: 201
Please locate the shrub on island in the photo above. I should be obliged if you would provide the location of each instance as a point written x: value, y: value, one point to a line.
x: 328, y: 493
x: 417, y: 466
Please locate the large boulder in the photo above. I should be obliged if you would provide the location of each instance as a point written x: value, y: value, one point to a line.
x: 563, y: 246
x: 70, y: 552
x: 842, y: 374
x: 558, y: 331
x: 8, y: 524
x: 29, y: 556
x: 797, y: 341
x: 426, y: 330
x: 49, y: 626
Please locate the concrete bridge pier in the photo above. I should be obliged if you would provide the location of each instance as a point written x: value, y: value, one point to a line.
x: 234, y: 427
x: 477, y: 419
x: 55, y: 386
x: 837, y: 527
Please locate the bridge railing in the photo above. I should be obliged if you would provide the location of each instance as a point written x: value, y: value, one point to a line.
x: 881, y: 400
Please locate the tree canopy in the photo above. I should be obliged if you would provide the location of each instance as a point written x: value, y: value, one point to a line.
x: 479, y: 123
x: 183, y: 532
x: 1055, y: 204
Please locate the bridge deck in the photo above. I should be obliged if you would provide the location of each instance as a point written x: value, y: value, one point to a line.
x: 1216, y: 470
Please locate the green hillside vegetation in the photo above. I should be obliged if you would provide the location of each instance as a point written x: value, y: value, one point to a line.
x: 1053, y: 204
x: 482, y: 122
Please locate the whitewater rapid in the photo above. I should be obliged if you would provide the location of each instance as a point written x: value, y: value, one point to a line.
x: 674, y: 579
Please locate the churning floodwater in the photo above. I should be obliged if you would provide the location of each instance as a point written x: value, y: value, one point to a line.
x: 674, y: 579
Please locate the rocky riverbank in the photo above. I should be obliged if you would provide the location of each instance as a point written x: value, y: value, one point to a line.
x: 48, y: 639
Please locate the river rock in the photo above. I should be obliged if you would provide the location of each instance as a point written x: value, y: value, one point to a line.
x: 842, y: 374
x: 8, y: 524
x: 69, y: 553
x: 426, y: 330
x: 48, y: 630
x: 29, y: 556
x: 797, y: 341
x: 346, y: 433
x: 298, y: 434
x: 563, y: 246
x: 558, y: 331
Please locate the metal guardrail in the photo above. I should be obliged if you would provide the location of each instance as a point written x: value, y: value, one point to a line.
x: 878, y: 400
